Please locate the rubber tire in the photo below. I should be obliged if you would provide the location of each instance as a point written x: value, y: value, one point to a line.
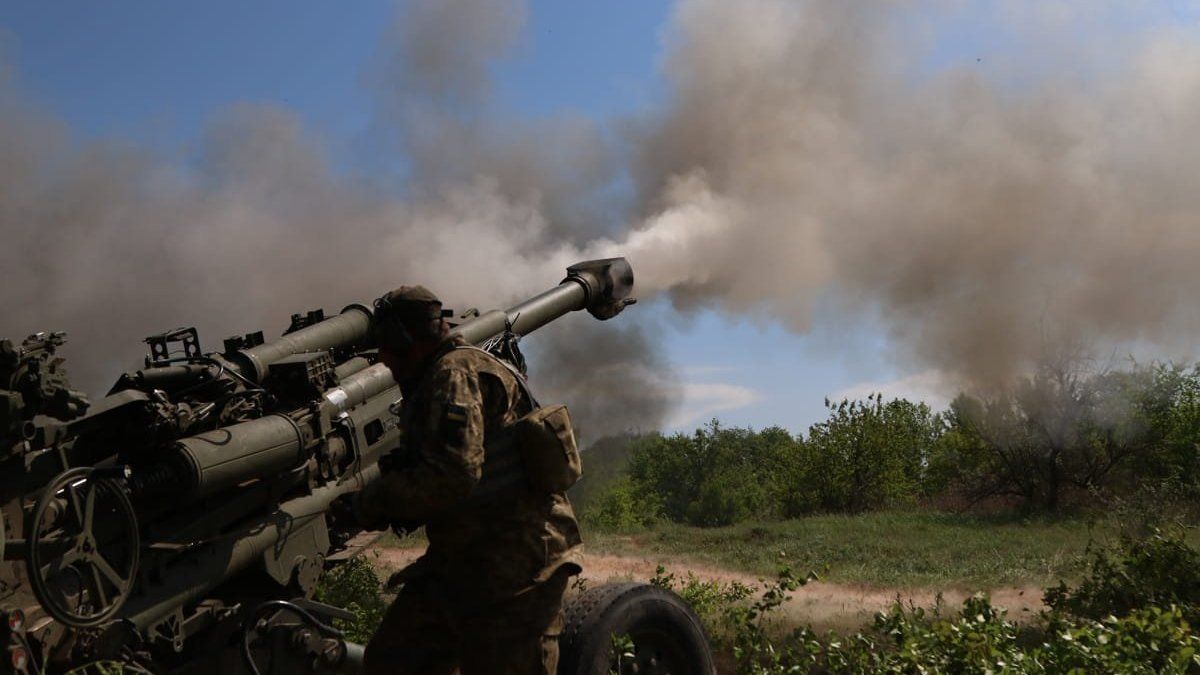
x: 594, y: 616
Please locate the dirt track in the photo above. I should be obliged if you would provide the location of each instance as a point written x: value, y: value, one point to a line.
x: 819, y: 604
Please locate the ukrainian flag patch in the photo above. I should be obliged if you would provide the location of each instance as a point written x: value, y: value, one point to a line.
x: 456, y: 413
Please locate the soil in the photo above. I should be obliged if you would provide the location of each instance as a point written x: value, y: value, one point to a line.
x: 820, y: 605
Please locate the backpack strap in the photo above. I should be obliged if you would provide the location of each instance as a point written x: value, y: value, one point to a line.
x: 512, y: 369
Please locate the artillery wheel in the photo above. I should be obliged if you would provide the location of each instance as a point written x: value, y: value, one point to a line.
x: 666, y: 635
x: 82, y: 548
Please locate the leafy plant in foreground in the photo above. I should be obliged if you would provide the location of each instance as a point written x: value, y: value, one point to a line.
x: 355, y: 586
x: 1161, y: 570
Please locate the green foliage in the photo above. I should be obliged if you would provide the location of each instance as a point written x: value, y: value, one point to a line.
x: 605, y: 461
x: 1139, y: 638
x: 736, y: 623
x: 622, y: 506
x: 1148, y: 640
x: 715, y: 476
x: 1063, y: 437
x: 709, y: 599
x: 623, y: 655
x: 883, y: 549
x: 1161, y: 570
x: 355, y: 586
x: 867, y: 455
x: 979, y: 639
x: 1064, y: 433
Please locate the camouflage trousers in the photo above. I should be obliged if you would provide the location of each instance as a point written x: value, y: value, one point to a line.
x: 427, y: 631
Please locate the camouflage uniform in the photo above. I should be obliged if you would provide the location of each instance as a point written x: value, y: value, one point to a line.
x: 487, y: 594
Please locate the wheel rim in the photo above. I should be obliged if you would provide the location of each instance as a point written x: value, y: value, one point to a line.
x: 83, y: 548
x: 655, y: 652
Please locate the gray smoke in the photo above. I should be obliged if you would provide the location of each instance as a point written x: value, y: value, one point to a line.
x: 113, y: 242
x: 990, y: 211
x: 438, y: 111
x: 808, y: 154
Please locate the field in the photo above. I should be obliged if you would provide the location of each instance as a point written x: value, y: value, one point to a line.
x: 877, y: 550
x: 864, y: 562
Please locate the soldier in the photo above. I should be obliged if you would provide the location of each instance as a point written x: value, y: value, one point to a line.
x: 487, y: 595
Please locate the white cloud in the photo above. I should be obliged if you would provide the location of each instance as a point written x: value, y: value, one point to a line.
x: 930, y: 386
x: 706, y: 371
x: 700, y: 401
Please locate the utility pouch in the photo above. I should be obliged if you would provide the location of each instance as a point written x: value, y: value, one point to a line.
x: 547, y: 444
x: 545, y: 441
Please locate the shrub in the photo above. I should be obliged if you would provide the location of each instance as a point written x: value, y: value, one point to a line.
x: 1162, y: 570
x: 869, y: 454
x: 715, y: 476
x: 622, y: 506
x: 354, y: 586
x: 1109, y: 624
x: 1068, y: 433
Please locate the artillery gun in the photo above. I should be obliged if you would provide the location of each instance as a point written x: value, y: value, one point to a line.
x: 179, y: 523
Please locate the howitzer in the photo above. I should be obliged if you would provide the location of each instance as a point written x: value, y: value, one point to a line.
x: 148, y: 527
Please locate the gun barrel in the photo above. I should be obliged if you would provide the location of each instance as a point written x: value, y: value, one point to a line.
x: 527, y: 316
x: 352, y: 326
x: 602, y: 287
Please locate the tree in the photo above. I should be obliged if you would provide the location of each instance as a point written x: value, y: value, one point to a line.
x: 870, y: 454
x: 716, y: 475
x: 1066, y: 430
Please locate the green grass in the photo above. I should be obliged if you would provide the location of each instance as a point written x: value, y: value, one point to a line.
x: 887, y: 550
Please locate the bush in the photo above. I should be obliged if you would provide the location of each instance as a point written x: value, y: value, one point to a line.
x: 604, y: 461
x: 1133, y: 613
x: 354, y: 586
x: 622, y: 506
x: 1162, y: 570
x: 1065, y: 435
x: 716, y: 476
x: 869, y: 454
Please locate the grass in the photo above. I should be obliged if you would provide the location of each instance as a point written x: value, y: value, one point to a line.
x: 884, y: 550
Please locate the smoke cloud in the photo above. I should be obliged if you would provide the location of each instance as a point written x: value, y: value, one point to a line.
x: 113, y: 242
x: 989, y: 214
x: 808, y: 154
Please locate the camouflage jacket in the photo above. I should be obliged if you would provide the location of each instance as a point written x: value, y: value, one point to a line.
x: 456, y: 426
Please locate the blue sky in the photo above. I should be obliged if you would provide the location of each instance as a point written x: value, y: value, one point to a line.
x: 156, y: 72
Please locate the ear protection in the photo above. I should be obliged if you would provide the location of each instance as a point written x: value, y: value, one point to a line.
x: 390, y: 327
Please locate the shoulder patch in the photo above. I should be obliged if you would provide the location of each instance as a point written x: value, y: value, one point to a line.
x: 456, y: 413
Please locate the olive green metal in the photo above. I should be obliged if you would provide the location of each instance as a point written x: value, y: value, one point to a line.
x: 527, y: 316
x: 213, y: 563
x: 350, y: 367
x: 165, y: 377
x: 219, y: 459
x: 352, y: 326
x: 600, y: 286
x: 360, y: 387
x: 352, y: 661
x: 212, y: 499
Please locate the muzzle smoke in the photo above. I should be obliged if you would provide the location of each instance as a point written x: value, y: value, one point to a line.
x: 809, y: 154
x: 991, y: 211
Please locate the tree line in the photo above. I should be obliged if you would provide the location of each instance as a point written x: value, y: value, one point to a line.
x: 1061, y: 438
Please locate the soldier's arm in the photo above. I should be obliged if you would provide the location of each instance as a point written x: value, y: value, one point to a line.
x: 446, y: 466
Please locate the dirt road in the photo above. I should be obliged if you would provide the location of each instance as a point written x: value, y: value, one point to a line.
x: 821, y: 605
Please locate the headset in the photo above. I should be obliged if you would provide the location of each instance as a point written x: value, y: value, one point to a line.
x: 389, y: 327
